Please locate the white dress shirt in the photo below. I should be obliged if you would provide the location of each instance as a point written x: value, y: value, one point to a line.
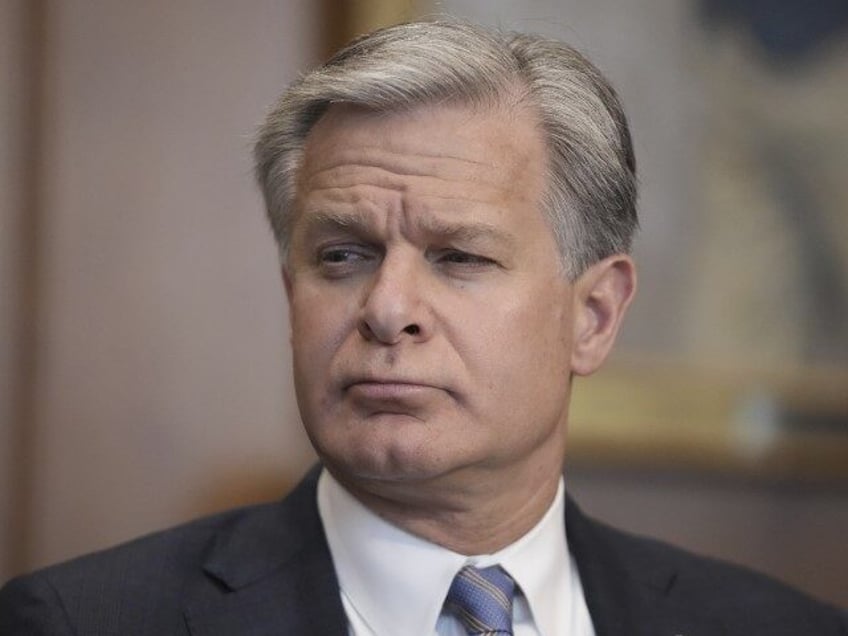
x: 394, y: 583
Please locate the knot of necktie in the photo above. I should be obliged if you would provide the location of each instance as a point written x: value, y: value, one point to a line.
x: 482, y: 600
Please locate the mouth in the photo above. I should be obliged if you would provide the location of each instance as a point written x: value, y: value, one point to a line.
x: 387, y: 386
x: 375, y: 391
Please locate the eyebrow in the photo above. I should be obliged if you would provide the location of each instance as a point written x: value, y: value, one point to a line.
x: 362, y: 223
x: 355, y: 221
x: 465, y: 231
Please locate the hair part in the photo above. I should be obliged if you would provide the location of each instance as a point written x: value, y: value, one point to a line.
x: 590, y: 199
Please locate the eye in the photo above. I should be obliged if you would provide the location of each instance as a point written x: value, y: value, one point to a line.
x: 338, y: 255
x: 342, y: 260
x: 460, y: 259
x: 463, y: 257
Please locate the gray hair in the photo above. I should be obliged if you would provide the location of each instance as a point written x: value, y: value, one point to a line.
x: 591, y: 195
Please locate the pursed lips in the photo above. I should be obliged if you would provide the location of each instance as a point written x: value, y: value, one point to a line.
x: 389, y: 389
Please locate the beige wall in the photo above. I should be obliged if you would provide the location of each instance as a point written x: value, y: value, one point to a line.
x: 162, y: 380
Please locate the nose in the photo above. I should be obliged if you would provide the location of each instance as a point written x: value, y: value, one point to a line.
x: 393, y: 308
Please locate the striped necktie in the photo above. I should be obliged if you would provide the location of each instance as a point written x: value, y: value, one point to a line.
x: 482, y: 600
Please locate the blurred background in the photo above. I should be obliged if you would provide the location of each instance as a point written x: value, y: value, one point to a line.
x: 144, y: 363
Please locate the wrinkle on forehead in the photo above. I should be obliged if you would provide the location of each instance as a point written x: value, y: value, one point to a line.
x: 391, y: 167
x: 429, y: 226
x: 359, y: 158
x: 379, y: 157
x: 469, y: 143
x: 406, y: 174
x: 358, y: 183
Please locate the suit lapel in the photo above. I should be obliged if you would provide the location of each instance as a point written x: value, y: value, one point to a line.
x: 629, y: 592
x: 272, y: 574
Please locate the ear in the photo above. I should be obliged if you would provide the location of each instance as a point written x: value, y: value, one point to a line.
x: 602, y: 295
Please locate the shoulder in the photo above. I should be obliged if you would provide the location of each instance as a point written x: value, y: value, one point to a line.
x: 98, y: 588
x: 148, y: 582
x: 735, y: 599
x: 711, y: 581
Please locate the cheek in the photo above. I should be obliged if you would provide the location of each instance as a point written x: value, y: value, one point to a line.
x: 317, y: 329
x: 536, y: 326
x: 321, y: 311
x: 523, y: 347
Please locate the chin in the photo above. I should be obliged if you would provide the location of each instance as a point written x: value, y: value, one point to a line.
x: 393, y: 447
x: 380, y: 462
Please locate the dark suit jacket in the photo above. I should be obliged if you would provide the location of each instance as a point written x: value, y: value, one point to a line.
x: 267, y: 570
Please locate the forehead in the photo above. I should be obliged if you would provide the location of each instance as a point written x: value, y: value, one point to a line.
x: 448, y: 150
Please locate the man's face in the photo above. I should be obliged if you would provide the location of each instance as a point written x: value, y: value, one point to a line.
x: 431, y: 325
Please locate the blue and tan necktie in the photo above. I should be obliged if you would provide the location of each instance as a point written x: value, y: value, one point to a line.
x: 482, y: 600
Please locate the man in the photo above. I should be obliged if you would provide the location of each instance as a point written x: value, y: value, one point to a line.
x: 454, y: 209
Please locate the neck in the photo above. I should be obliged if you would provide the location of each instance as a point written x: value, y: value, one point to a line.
x: 480, y: 516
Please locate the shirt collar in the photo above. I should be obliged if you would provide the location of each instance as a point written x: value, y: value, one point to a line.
x: 366, y: 551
